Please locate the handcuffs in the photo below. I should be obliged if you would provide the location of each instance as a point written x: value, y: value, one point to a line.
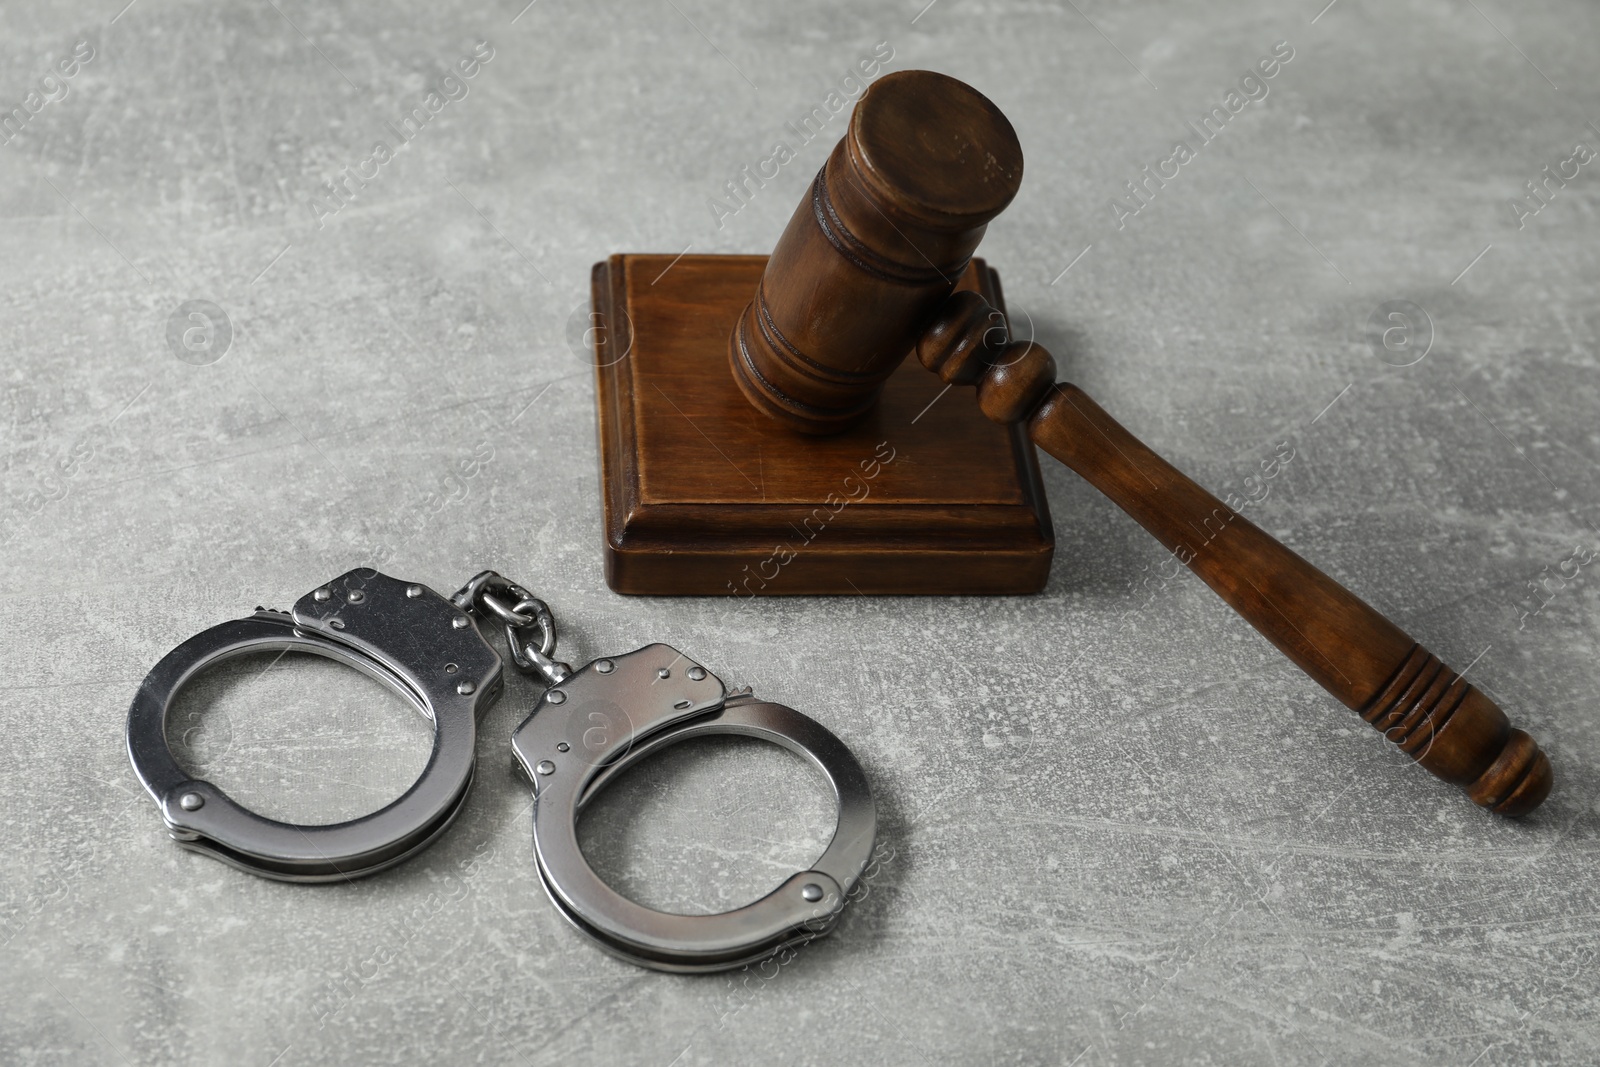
x: 588, y: 727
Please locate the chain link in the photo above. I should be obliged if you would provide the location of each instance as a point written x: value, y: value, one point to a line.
x: 485, y: 597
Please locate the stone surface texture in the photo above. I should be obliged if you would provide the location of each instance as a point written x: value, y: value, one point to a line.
x: 1116, y: 827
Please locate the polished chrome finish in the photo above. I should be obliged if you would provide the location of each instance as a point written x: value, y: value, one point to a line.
x: 601, y: 720
x: 485, y: 595
x: 377, y: 634
x: 531, y: 661
x: 611, y: 719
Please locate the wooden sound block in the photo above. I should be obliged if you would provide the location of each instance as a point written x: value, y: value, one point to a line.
x: 704, y: 496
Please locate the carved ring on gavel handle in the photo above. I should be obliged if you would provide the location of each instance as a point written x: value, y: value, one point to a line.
x: 1350, y: 649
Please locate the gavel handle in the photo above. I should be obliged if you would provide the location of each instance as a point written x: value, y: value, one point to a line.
x: 1349, y: 648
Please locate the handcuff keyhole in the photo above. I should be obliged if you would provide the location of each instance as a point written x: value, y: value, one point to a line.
x: 451, y: 668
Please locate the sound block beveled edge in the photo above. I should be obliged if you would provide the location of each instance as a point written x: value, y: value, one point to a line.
x: 944, y: 542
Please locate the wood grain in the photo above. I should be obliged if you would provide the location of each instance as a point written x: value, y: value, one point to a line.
x: 700, y: 490
x: 1343, y: 643
x: 878, y: 243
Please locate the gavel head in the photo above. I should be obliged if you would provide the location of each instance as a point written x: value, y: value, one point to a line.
x: 872, y: 251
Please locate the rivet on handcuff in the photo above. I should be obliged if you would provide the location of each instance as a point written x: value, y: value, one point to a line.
x: 589, y: 726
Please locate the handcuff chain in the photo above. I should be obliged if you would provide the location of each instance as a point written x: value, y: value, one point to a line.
x: 483, y: 597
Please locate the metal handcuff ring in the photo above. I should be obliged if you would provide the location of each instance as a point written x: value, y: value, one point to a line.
x: 404, y: 635
x: 595, y: 723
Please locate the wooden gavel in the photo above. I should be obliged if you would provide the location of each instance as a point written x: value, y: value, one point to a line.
x: 864, y: 274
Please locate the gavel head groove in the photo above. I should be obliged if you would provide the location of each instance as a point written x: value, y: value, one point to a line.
x: 877, y: 245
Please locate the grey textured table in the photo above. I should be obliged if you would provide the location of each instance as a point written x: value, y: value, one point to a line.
x: 1116, y: 826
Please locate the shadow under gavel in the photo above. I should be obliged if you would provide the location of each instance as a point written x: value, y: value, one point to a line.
x: 864, y: 274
